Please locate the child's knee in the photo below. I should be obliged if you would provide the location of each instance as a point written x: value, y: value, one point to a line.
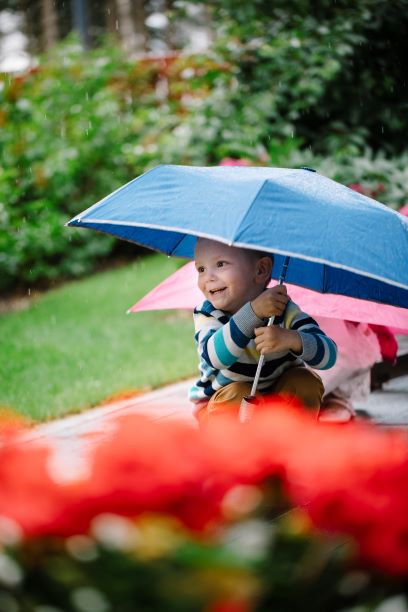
x: 302, y: 383
x: 232, y: 393
x: 225, y: 401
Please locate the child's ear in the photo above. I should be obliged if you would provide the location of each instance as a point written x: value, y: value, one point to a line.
x: 264, y: 270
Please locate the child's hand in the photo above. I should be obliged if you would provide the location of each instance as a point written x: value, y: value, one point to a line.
x: 276, y: 339
x: 270, y: 302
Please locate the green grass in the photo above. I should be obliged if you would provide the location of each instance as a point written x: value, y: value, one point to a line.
x: 75, y: 346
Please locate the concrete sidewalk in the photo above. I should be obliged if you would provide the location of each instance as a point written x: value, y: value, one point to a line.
x: 387, y: 406
x: 73, y: 438
x: 76, y: 434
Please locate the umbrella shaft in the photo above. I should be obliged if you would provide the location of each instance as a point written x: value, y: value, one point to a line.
x: 260, y: 364
x: 270, y: 322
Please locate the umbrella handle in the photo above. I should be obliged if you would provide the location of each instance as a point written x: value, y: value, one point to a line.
x: 247, y: 404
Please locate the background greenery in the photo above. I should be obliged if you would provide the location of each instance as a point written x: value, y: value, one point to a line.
x: 320, y: 84
x: 315, y: 83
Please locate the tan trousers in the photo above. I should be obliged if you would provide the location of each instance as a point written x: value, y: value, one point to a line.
x: 298, y: 384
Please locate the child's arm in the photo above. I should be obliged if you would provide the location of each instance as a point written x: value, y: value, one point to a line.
x: 271, y: 302
x: 220, y: 343
x: 302, y: 336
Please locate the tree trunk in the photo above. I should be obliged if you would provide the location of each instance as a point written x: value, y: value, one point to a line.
x: 112, y: 22
x: 133, y: 42
x: 139, y: 14
x: 49, y: 24
x: 169, y: 34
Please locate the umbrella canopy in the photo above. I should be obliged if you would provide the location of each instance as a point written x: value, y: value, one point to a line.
x: 180, y: 291
x: 338, y: 240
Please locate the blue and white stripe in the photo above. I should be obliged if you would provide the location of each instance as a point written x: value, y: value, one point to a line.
x: 227, y: 349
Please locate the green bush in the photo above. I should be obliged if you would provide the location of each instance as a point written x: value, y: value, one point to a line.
x: 73, y: 130
x: 61, y: 150
x: 66, y: 132
x: 333, y: 74
x: 272, y: 90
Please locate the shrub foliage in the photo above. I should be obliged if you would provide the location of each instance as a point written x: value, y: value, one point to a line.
x: 320, y: 84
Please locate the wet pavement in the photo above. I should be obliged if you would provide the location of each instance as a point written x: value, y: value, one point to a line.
x: 389, y: 406
x: 73, y: 435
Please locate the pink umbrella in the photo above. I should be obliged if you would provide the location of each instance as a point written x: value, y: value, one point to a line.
x: 180, y: 291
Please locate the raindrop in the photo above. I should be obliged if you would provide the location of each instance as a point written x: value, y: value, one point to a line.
x: 382, y: 129
x: 29, y: 291
x: 117, y: 24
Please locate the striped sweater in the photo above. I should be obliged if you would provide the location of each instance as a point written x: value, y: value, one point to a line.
x: 227, y: 350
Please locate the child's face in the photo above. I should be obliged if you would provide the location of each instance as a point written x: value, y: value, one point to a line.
x: 227, y: 276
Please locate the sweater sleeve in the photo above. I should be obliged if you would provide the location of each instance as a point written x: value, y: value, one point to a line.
x: 319, y: 351
x: 219, y: 343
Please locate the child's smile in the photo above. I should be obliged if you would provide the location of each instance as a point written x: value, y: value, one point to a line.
x: 217, y: 291
x: 226, y: 275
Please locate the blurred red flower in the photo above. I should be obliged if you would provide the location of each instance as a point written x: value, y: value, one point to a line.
x: 29, y: 496
x: 350, y: 480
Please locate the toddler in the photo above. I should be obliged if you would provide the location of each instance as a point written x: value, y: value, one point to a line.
x: 231, y: 333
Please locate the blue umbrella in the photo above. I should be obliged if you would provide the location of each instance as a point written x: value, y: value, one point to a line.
x: 339, y: 241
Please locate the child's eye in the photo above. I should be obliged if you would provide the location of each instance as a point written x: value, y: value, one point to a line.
x: 200, y: 269
x: 220, y: 264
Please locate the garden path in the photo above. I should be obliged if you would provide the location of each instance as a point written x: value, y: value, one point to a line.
x: 74, y: 436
